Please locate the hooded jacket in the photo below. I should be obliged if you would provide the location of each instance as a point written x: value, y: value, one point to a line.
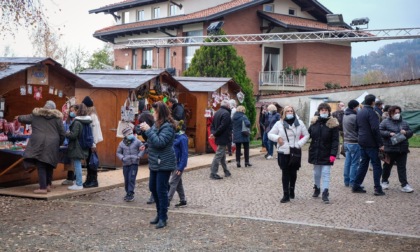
x: 130, y: 154
x: 325, y: 140
x: 390, y: 125
x: 47, y: 135
x: 74, y: 150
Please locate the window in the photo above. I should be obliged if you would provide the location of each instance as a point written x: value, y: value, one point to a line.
x: 126, y: 17
x: 292, y: 12
x: 268, y: 7
x: 147, y: 58
x: 156, y: 12
x: 140, y: 15
x: 134, y: 60
x: 271, y: 59
x: 190, y: 50
x: 173, y: 10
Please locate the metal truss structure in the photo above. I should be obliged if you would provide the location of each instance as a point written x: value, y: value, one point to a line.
x: 289, y: 37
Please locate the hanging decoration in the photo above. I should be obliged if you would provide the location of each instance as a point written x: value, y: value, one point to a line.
x: 240, y: 96
x: 38, y: 93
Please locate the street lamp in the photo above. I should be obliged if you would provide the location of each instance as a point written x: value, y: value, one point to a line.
x: 215, y: 27
x: 360, y: 21
x: 335, y: 20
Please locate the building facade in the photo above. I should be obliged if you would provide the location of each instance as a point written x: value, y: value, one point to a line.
x: 275, y: 66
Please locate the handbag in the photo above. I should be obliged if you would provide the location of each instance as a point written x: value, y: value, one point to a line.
x: 127, y: 111
x: 122, y: 125
x: 94, y: 161
x: 134, y: 102
x: 245, y: 130
x: 295, y: 154
x: 397, y: 138
x: 383, y: 156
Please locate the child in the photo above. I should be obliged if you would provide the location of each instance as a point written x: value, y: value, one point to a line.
x: 181, y: 154
x: 129, y: 151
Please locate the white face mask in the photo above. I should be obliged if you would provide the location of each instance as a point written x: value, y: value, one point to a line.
x: 323, y: 115
x: 396, y: 116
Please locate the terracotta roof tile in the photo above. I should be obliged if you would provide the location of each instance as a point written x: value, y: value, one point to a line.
x: 192, y: 16
x: 300, y: 22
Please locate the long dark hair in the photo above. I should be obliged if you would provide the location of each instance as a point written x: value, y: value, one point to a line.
x: 163, y: 114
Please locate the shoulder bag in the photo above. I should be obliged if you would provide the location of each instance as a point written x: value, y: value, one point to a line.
x: 295, y: 154
x: 245, y: 130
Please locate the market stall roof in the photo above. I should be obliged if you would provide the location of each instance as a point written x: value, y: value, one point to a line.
x: 13, y: 65
x: 125, y: 79
x: 207, y: 84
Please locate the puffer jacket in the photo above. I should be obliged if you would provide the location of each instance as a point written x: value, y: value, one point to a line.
x: 238, y: 137
x: 294, y: 132
x: 47, y: 135
x: 349, y: 126
x: 270, y: 120
x: 325, y: 140
x: 160, y: 147
x: 221, y: 127
x: 74, y: 150
x: 389, y: 125
x: 181, y: 151
x: 130, y: 154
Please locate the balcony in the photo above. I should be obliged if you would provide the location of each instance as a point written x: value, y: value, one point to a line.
x: 280, y: 81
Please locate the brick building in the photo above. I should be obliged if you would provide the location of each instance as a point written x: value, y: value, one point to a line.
x: 271, y: 66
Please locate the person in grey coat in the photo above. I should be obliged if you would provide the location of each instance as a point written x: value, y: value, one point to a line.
x: 395, y: 124
x: 351, y: 146
x: 43, y: 148
x: 129, y: 151
x: 162, y: 161
x: 239, y: 138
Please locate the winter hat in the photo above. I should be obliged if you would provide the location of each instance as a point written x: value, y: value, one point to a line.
x: 127, y: 131
x: 49, y: 105
x: 88, y: 102
x: 352, y: 104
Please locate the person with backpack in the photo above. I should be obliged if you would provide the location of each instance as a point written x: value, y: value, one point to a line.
x: 92, y: 171
x: 78, y: 148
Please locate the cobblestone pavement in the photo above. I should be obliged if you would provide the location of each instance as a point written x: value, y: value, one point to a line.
x: 239, y: 213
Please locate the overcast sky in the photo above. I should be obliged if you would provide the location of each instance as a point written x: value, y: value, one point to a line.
x: 78, y: 26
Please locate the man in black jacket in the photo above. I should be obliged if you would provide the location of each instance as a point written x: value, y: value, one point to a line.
x: 370, y: 141
x: 221, y: 130
x: 177, y: 111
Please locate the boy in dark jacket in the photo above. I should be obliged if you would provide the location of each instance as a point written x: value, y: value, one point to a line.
x: 129, y: 151
x: 181, y: 155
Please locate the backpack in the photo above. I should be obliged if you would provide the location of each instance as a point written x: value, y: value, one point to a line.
x: 86, y: 137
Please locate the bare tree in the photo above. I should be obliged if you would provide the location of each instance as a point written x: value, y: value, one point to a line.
x: 46, y: 42
x: 79, y: 60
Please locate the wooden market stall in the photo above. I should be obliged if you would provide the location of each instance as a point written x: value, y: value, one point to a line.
x: 27, y: 83
x: 109, y: 92
x: 204, y: 94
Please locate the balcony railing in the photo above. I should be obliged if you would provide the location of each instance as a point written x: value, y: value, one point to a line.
x: 279, y: 80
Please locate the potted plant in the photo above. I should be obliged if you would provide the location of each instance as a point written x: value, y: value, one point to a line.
x: 288, y: 70
x: 296, y: 71
x: 303, y: 71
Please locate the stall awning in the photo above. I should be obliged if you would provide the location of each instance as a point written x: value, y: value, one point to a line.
x: 126, y: 79
x: 206, y: 84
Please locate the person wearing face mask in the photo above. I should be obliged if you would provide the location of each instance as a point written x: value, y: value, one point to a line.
x: 339, y: 113
x: 398, y: 152
x: 351, y: 146
x: 370, y: 141
x: 129, y: 151
x: 287, y: 134
x: 323, y: 148
x: 67, y: 163
x: 270, y: 119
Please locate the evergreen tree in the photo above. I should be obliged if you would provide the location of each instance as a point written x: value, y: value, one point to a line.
x: 223, y: 61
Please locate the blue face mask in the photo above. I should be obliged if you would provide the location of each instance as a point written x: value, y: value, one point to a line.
x: 289, y: 116
x: 72, y: 114
x: 323, y: 115
x: 130, y: 137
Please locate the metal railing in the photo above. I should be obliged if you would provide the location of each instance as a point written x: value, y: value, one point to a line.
x: 280, y: 78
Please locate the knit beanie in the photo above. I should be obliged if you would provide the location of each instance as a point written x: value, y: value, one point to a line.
x: 127, y: 131
x: 49, y: 105
x: 352, y: 104
x: 88, y: 102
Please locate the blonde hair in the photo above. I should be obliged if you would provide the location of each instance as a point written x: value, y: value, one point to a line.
x: 283, y: 113
x: 272, y: 107
x: 240, y: 108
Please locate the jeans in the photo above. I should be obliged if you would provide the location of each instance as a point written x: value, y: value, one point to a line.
x: 369, y: 155
x: 78, y: 171
x: 268, y: 144
x: 246, y: 152
x: 401, y: 160
x: 324, y: 171
x: 175, y: 184
x: 219, y: 157
x: 352, y: 162
x: 130, y: 174
x: 158, y: 185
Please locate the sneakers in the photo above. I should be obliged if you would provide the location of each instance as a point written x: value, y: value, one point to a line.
x: 67, y: 182
x: 379, y: 192
x: 358, y: 189
x: 317, y: 191
x: 75, y: 187
x: 407, y: 188
x: 129, y: 197
x: 269, y: 157
x: 215, y: 176
x: 181, y: 203
x: 385, y: 185
x: 325, y: 195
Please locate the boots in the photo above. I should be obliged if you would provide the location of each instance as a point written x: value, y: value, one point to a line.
x: 247, y: 164
x: 325, y: 195
x: 88, y: 179
x: 317, y: 191
x: 286, y: 197
x: 292, y: 192
x: 93, y: 180
x: 238, y: 164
